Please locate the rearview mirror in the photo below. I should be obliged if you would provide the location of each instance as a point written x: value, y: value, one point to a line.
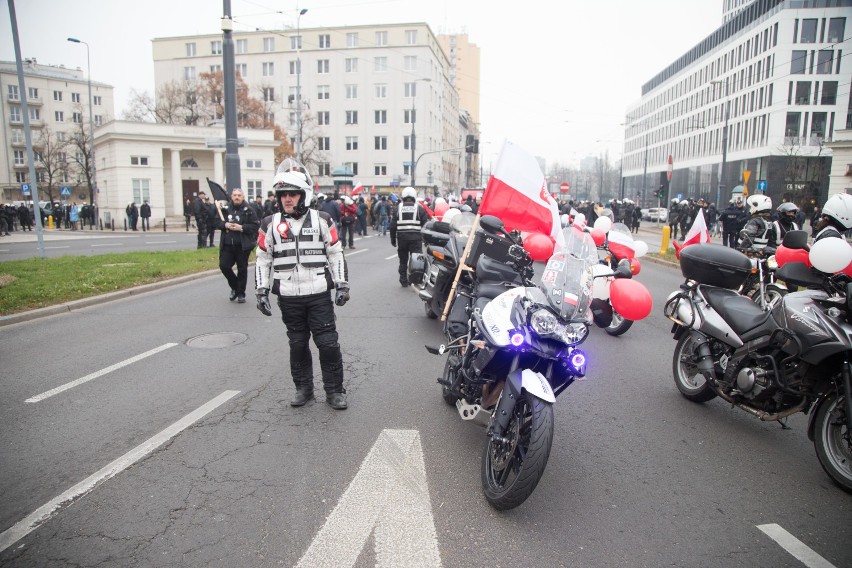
x: 492, y: 224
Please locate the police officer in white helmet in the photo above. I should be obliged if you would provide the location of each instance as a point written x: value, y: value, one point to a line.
x: 406, y: 222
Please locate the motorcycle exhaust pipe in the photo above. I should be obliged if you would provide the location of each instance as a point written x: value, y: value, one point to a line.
x: 762, y: 414
x: 703, y: 354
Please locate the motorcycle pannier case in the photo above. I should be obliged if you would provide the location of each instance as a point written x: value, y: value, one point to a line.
x: 489, y: 245
x: 416, y: 268
x: 435, y: 233
x: 715, y: 265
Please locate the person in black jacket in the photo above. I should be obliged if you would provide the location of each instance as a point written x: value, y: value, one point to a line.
x: 212, y: 217
x: 239, y: 235
x: 199, y: 211
x: 406, y: 221
x: 733, y: 218
x: 145, y: 214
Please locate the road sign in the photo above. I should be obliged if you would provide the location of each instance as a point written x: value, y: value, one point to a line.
x: 669, y: 168
x: 65, y: 191
x: 25, y: 188
x: 564, y: 187
x: 762, y: 185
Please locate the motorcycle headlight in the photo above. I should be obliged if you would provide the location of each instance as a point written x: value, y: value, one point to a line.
x: 772, y: 263
x: 574, y: 333
x: 543, y: 322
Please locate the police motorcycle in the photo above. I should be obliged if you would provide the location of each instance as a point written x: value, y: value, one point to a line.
x: 795, y: 357
x: 762, y: 284
x: 518, y: 352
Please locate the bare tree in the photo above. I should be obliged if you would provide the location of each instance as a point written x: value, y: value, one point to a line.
x: 78, y: 143
x: 51, y: 162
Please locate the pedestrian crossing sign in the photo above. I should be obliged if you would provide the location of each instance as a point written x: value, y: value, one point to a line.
x: 65, y: 191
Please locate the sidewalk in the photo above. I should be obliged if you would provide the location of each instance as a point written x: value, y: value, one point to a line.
x: 66, y: 234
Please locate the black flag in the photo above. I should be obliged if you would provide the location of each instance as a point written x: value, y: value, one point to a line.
x: 218, y: 192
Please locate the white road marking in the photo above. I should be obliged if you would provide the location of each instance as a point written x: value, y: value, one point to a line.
x: 96, y: 374
x: 390, y: 257
x: 158, y: 242
x: 108, y: 245
x: 388, y: 497
x: 65, y: 247
x: 794, y: 546
x: 359, y: 251
x: 41, y: 515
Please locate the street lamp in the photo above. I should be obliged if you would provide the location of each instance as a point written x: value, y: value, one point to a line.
x: 91, y: 124
x: 302, y: 12
x: 413, y: 136
x: 724, y: 142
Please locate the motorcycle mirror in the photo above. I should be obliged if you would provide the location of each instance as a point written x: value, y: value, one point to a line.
x: 492, y: 224
x: 796, y: 240
x: 623, y: 269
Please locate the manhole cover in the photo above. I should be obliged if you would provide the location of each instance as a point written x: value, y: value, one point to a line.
x: 217, y: 340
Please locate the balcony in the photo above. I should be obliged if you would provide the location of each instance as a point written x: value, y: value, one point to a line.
x: 35, y: 102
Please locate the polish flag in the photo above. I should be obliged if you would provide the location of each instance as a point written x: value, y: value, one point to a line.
x: 358, y: 189
x: 698, y: 233
x: 517, y: 194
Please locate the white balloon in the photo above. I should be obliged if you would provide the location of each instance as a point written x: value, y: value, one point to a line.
x: 580, y: 220
x: 440, y: 200
x: 830, y: 255
x: 565, y: 220
x: 448, y: 216
x: 600, y: 285
x: 640, y: 248
x: 603, y: 223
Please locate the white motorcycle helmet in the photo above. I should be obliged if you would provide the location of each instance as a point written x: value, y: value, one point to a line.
x: 293, y: 176
x: 839, y: 208
x: 409, y: 193
x: 759, y: 204
x: 347, y: 200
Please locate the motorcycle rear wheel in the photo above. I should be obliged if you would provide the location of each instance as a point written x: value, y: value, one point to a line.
x: 832, y: 442
x: 511, y: 469
x: 619, y: 325
x: 690, y: 382
x: 773, y: 294
x: 429, y: 313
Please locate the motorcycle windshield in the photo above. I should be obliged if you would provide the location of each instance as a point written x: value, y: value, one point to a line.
x: 463, y: 223
x: 567, y: 277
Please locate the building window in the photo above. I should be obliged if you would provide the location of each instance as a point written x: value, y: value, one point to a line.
x: 21, y: 177
x: 99, y: 120
x: 189, y: 163
x: 797, y: 63
x: 411, y: 37
x: 809, y: 31
x: 829, y: 93
x: 242, y: 46
x: 57, y: 96
x: 268, y: 44
x: 62, y: 156
x: 353, y: 167
x: 406, y: 142
x: 380, y: 169
x: 381, y: 142
x: 351, y: 142
x: 75, y: 97
x: 322, y: 66
x: 803, y: 92
x: 296, y: 67
x: 35, y: 114
x: 14, y: 94
x: 97, y: 100
x: 295, y: 42
x: 323, y: 169
x: 325, y: 41
x: 825, y: 57
x: 818, y: 124
x: 351, y: 117
x: 380, y: 64
x: 268, y: 69
x: 381, y: 116
x: 323, y: 118
x: 351, y: 91
x: 324, y: 143
x: 409, y: 116
x: 836, y: 29
x: 351, y: 65
x: 352, y: 39
x: 254, y: 188
x: 17, y: 136
x: 791, y: 130
x: 190, y: 49
x: 189, y: 73
x: 138, y: 160
x: 19, y: 157
x: 141, y: 191
x: 381, y: 39
x: 215, y: 68
x: 410, y: 63
x: 323, y: 92
x: 32, y: 93
x: 216, y: 47
x: 242, y: 69
x: 269, y: 94
x: 60, y: 136
x: 59, y: 116
x: 381, y: 91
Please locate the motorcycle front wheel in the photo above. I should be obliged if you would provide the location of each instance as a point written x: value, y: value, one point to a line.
x: 429, y: 313
x: 689, y: 380
x: 513, y: 466
x: 450, y: 376
x: 833, y: 441
x: 619, y: 325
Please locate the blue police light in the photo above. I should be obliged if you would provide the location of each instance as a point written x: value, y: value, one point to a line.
x: 578, y: 362
x: 517, y: 339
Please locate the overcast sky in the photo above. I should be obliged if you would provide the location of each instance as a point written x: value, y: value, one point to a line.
x: 556, y: 77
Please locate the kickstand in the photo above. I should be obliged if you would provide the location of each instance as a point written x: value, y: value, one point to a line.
x: 783, y: 423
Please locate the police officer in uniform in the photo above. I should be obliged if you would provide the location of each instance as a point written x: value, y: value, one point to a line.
x: 300, y: 258
x: 405, y: 226
x: 759, y: 232
x: 239, y: 235
x: 786, y: 220
x: 835, y: 217
x: 732, y: 219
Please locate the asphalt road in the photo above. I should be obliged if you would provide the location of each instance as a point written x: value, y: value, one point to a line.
x: 638, y: 476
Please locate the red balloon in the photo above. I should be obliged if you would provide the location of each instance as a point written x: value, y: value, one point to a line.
x: 441, y: 208
x: 783, y: 255
x: 848, y: 270
x: 630, y: 298
x: 635, y: 267
x: 539, y: 246
x: 598, y: 236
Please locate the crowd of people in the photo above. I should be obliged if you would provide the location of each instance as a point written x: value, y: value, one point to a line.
x: 22, y: 217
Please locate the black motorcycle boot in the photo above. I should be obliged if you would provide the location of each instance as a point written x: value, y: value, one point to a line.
x: 337, y: 400
x: 303, y: 395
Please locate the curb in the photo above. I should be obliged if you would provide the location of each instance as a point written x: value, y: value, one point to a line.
x: 101, y: 299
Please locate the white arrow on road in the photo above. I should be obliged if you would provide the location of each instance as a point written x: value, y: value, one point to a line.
x: 388, y: 498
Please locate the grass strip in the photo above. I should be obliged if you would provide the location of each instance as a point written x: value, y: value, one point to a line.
x: 37, y: 283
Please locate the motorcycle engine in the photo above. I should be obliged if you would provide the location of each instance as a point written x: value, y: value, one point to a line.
x: 748, y: 378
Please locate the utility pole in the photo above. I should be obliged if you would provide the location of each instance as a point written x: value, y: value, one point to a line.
x: 232, y: 155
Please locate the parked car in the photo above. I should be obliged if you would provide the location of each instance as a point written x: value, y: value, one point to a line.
x: 646, y: 214
x: 658, y: 213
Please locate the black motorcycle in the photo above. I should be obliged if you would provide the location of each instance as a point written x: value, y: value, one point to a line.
x: 795, y: 357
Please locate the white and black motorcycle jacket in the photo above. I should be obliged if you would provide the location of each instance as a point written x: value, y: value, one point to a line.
x: 299, y: 257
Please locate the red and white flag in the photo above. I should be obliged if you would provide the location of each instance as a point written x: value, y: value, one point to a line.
x: 517, y: 194
x: 358, y: 189
x: 698, y: 233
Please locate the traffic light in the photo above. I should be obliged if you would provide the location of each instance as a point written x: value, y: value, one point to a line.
x: 661, y: 193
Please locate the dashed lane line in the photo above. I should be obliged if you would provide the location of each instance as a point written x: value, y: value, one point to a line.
x: 802, y: 552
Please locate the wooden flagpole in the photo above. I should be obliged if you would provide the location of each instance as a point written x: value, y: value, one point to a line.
x: 462, y: 267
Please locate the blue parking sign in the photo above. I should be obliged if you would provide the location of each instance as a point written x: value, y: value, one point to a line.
x: 25, y: 188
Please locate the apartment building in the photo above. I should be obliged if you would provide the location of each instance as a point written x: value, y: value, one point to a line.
x: 365, y: 93
x: 762, y: 94
x: 58, y: 106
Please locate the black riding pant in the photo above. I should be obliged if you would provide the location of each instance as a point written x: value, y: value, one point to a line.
x: 229, y: 255
x: 407, y: 244
x: 312, y: 315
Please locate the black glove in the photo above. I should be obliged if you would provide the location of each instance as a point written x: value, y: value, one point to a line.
x: 263, y: 304
x: 342, y: 294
